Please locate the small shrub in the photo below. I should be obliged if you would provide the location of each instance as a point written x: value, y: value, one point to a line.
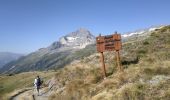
x: 145, y: 43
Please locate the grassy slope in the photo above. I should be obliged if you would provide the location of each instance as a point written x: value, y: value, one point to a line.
x: 146, y: 75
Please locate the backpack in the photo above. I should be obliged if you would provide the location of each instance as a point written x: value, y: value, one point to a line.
x: 38, y: 82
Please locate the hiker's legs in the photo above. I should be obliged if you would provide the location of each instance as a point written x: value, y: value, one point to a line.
x: 38, y: 89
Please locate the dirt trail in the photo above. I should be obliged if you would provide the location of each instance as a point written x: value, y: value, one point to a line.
x: 31, y: 94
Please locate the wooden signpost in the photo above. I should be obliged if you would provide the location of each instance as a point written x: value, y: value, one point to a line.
x: 109, y: 43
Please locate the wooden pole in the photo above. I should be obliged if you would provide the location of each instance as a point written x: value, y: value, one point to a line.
x: 103, y: 65
x: 118, y: 61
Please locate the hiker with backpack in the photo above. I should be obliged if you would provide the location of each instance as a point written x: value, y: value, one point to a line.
x: 37, y: 83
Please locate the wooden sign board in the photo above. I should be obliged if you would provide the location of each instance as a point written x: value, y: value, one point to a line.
x: 108, y: 43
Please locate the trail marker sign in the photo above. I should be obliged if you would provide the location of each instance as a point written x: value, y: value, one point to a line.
x: 109, y: 43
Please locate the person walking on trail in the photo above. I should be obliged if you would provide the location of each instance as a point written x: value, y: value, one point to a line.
x: 37, y: 83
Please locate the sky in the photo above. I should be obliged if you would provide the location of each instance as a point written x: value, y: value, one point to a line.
x: 27, y: 25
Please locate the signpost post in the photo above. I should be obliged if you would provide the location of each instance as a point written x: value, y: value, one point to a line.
x: 118, y: 61
x: 109, y: 43
x: 103, y: 65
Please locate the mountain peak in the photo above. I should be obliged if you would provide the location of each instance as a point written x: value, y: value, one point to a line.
x: 78, y: 39
x: 75, y: 40
x: 80, y: 32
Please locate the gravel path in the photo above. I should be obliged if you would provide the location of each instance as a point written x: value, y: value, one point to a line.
x: 32, y: 95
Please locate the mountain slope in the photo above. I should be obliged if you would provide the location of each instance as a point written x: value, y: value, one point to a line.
x: 57, y: 55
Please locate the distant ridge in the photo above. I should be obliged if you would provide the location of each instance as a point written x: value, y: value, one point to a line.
x: 6, y: 57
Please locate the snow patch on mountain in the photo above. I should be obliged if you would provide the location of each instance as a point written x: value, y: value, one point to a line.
x: 72, y: 39
x: 133, y: 33
x: 141, y: 32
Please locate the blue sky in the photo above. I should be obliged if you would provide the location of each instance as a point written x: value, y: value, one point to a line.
x: 27, y: 25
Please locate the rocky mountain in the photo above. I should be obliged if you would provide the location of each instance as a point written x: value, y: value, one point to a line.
x: 6, y: 57
x: 72, y: 41
x: 72, y: 46
x: 78, y: 39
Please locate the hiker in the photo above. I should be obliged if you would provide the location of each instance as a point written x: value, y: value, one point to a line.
x: 37, y: 83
